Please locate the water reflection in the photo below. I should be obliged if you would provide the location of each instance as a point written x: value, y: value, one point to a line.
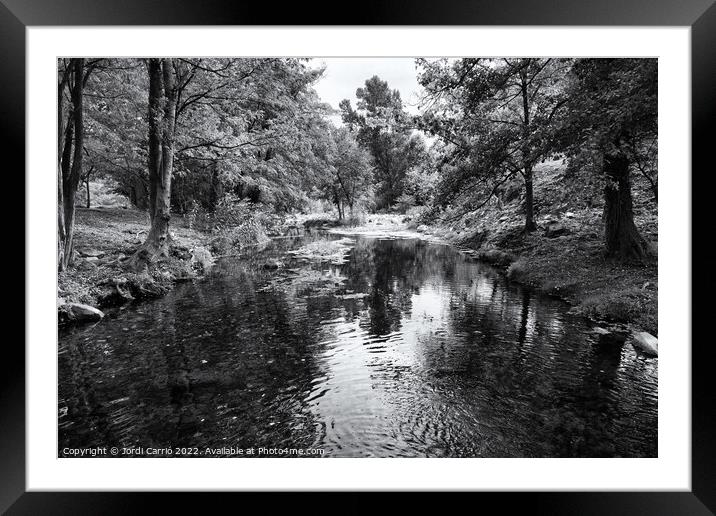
x: 408, y: 349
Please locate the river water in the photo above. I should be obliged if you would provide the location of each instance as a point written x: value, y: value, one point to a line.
x: 408, y: 349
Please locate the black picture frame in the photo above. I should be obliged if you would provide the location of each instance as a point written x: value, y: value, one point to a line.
x: 700, y: 15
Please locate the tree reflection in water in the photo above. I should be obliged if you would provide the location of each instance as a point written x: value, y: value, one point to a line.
x: 407, y: 349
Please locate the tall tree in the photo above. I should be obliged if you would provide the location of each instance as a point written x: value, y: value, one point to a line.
x: 163, y: 94
x: 73, y: 75
x: 495, y: 115
x: 382, y: 127
x: 612, y: 118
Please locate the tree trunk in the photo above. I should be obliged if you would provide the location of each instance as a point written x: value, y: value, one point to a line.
x: 87, y: 183
x: 621, y: 237
x: 155, y: 131
x: 162, y: 117
x: 526, y: 158
x: 74, y: 143
x: 529, y: 201
x: 61, y: 234
x: 60, y: 199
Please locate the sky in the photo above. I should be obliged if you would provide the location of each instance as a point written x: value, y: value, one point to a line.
x: 346, y: 74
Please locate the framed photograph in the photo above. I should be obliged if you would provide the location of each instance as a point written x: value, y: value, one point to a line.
x: 426, y: 250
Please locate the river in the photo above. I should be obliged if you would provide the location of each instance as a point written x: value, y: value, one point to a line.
x: 408, y: 349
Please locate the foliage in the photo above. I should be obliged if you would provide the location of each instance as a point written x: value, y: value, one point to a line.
x: 612, y: 109
x: 245, y: 126
x: 348, y: 173
x: 383, y: 128
x: 238, y: 224
x: 494, y: 118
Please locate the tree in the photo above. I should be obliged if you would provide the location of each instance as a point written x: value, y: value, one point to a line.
x: 116, y: 126
x: 612, y: 117
x: 382, y: 127
x: 350, y: 171
x: 73, y: 75
x: 495, y: 115
x: 163, y: 95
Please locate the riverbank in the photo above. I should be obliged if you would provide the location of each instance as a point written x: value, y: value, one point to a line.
x: 563, y: 258
x: 571, y: 265
x: 105, y: 239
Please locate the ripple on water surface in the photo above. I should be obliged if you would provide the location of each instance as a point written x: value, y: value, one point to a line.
x: 406, y: 349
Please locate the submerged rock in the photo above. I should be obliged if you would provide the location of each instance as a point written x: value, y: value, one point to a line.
x: 77, y: 312
x: 646, y: 343
x: 272, y: 264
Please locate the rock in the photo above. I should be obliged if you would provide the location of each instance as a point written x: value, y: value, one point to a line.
x: 601, y: 331
x: 92, y: 253
x: 646, y: 343
x: 422, y: 228
x: 569, y: 215
x: 91, y: 259
x: 272, y: 264
x: 504, y: 218
x: 81, y: 313
x: 115, y: 291
x: 87, y: 265
x: 555, y: 230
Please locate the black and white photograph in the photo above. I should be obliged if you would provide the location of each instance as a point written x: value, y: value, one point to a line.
x: 379, y: 257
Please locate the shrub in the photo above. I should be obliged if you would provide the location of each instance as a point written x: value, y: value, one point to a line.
x: 517, y: 270
x: 623, y: 306
x: 356, y: 218
x: 404, y: 203
x: 239, y: 224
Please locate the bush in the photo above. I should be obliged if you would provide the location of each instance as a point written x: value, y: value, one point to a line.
x: 625, y: 306
x: 517, y: 270
x: 239, y: 224
x: 357, y: 218
x: 404, y: 203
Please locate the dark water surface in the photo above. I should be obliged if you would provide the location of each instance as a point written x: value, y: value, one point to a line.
x: 408, y: 349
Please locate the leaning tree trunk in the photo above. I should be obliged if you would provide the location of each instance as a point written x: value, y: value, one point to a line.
x: 162, y: 117
x: 621, y: 237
